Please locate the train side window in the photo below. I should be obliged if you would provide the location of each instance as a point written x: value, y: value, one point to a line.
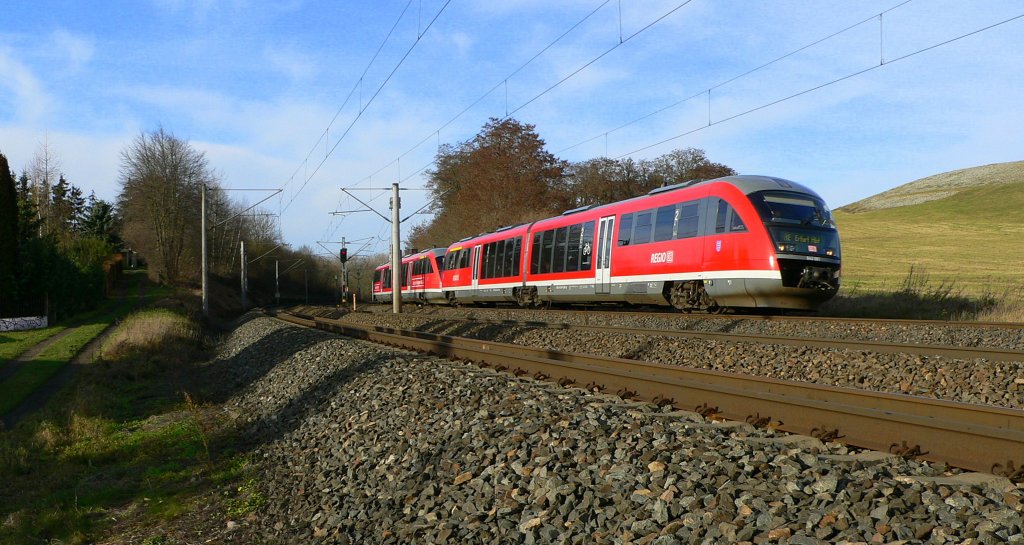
x: 558, y: 256
x: 517, y: 255
x: 723, y: 213
x: 586, y: 246
x: 642, y: 229
x: 496, y: 260
x: 488, y: 261
x: 439, y: 263
x: 500, y: 264
x: 503, y: 250
x: 547, y: 246
x: 464, y: 259
x: 736, y: 224
x: 535, y: 254
x: 497, y: 247
x: 625, y: 229
x: 572, y: 251
x: 689, y: 220
x: 499, y: 259
x: 664, y: 223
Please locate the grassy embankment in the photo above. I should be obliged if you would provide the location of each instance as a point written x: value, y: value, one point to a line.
x: 960, y: 257
x: 54, y: 357
x: 125, y: 449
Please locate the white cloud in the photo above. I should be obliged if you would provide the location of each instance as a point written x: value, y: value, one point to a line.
x: 78, y: 50
x: 89, y: 161
x: 21, y: 91
x: 295, y: 65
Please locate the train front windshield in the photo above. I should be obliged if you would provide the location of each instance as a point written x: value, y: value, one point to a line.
x: 799, y: 223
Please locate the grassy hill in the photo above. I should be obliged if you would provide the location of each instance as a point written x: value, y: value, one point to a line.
x: 962, y: 230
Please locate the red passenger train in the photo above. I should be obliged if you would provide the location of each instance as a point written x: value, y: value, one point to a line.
x: 421, y: 278
x: 738, y: 241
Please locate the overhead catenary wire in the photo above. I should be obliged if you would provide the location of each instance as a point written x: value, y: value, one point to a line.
x: 363, y: 108
x: 707, y: 92
x: 822, y: 86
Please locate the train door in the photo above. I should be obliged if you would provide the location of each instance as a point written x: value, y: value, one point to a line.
x: 605, y: 242
x: 476, y: 267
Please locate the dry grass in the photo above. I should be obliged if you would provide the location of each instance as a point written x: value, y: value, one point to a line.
x: 121, y: 450
x: 1009, y: 309
x: 147, y: 330
x: 971, y: 242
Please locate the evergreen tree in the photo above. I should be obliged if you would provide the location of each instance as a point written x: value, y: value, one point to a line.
x: 28, y: 215
x: 99, y: 220
x: 76, y: 203
x: 8, y: 237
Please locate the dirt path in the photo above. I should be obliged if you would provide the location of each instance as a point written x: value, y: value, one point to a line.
x: 13, y: 366
x: 41, y: 395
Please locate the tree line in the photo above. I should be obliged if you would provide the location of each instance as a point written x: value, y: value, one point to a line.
x: 505, y: 176
x: 55, y: 243
x: 58, y: 248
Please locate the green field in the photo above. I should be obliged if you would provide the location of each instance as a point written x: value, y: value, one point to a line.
x: 972, y: 241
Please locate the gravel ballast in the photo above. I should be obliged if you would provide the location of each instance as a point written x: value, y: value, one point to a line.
x: 358, y: 443
x: 986, y: 382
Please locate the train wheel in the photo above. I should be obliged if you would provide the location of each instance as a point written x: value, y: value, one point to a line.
x: 527, y: 297
x: 688, y: 296
x: 450, y: 296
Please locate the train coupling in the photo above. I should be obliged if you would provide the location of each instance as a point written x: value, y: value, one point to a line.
x: 818, y: 277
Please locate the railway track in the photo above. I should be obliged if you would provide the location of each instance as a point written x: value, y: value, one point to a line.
x: 974, y: 437
x: 873, y: 346
x: 599, y: 313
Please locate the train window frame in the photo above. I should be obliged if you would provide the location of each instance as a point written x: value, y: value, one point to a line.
x: 625, y: 230
x: 721, y: 216
x: 642, y: 232
x: 559, y: 250
x: 736, y: 224
x: 685, y: 220
x: 587, y: 246
x: 573, y: 246
x: 670, y: 211
x: 535, y: 253
x: 500, y: 263
x: 488, y: 261
x: 547, y: 247
x: 517, y: 255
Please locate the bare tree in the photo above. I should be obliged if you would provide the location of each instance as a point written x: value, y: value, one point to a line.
x: 44, y: 171
x: 161, y: 180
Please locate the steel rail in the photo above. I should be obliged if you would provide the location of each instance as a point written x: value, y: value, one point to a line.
x: 974, y: 437
x: 871, y: 346
x: 671, y: 314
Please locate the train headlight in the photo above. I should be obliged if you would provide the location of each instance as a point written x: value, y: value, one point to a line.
x: 782, y: 247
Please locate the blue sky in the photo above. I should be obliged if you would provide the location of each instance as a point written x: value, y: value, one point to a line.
x: 258, y: 85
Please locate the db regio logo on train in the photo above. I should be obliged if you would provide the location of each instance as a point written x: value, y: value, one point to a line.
x: 662, y: 257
